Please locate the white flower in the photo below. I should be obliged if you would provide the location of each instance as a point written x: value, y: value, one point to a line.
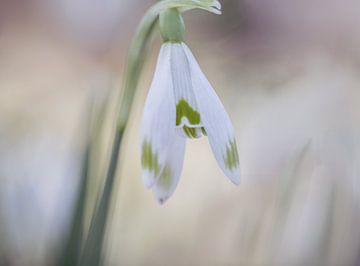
x: 182, y: 104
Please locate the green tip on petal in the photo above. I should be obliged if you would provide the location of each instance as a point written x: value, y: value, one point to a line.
x: 183, y: 109
x: 165, y: 180
x: 192, y: 128
x: 164, y: 183
x: 149, y: 159
x: 232, y: 157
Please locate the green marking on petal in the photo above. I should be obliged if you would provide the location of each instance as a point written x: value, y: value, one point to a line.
x: 183, y: 109
x: 165, y: 179
x: 149, y: 159
x: 190, y: 132
x: 194, y: 132
x: 232, y: 157
x: 203, y: 131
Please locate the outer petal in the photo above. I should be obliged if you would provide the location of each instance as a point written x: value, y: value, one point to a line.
x: 188, y: 119
x: 166, y: 183
x: 157, y: 126
x: 215, y: 120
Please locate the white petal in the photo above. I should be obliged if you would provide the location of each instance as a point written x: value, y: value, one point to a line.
x: 187, y: 111
x: 166, y: 183
x: 157, y: 126
x: 215, y: 120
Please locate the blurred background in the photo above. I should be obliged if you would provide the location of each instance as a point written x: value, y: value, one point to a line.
x: 288, y: 73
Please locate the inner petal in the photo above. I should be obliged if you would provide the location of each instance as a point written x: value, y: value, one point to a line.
x: 191, y: 132
x: 188, y: 120
x: 182, y: 83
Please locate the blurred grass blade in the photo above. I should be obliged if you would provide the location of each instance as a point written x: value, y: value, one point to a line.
x: 72, y: 247
x: 93, y: 246
x: 293, y: 177
x: 139, y: 49
x: 71, y: 250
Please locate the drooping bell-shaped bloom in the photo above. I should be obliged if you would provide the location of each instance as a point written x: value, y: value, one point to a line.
x: 182, y: 104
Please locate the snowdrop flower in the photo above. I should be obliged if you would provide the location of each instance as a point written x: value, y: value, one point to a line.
x: 181, y: 104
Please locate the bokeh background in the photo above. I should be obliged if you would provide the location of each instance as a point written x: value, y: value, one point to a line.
x: 288, y: 72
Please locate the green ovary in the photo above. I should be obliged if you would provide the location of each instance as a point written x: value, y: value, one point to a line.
x: 149, y: 159
x: 172, y: 27
x: 183, y: 109
x: 232, y: 157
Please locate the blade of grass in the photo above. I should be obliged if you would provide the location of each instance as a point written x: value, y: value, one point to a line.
x: 93, y: 246
x: 71, y: 250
